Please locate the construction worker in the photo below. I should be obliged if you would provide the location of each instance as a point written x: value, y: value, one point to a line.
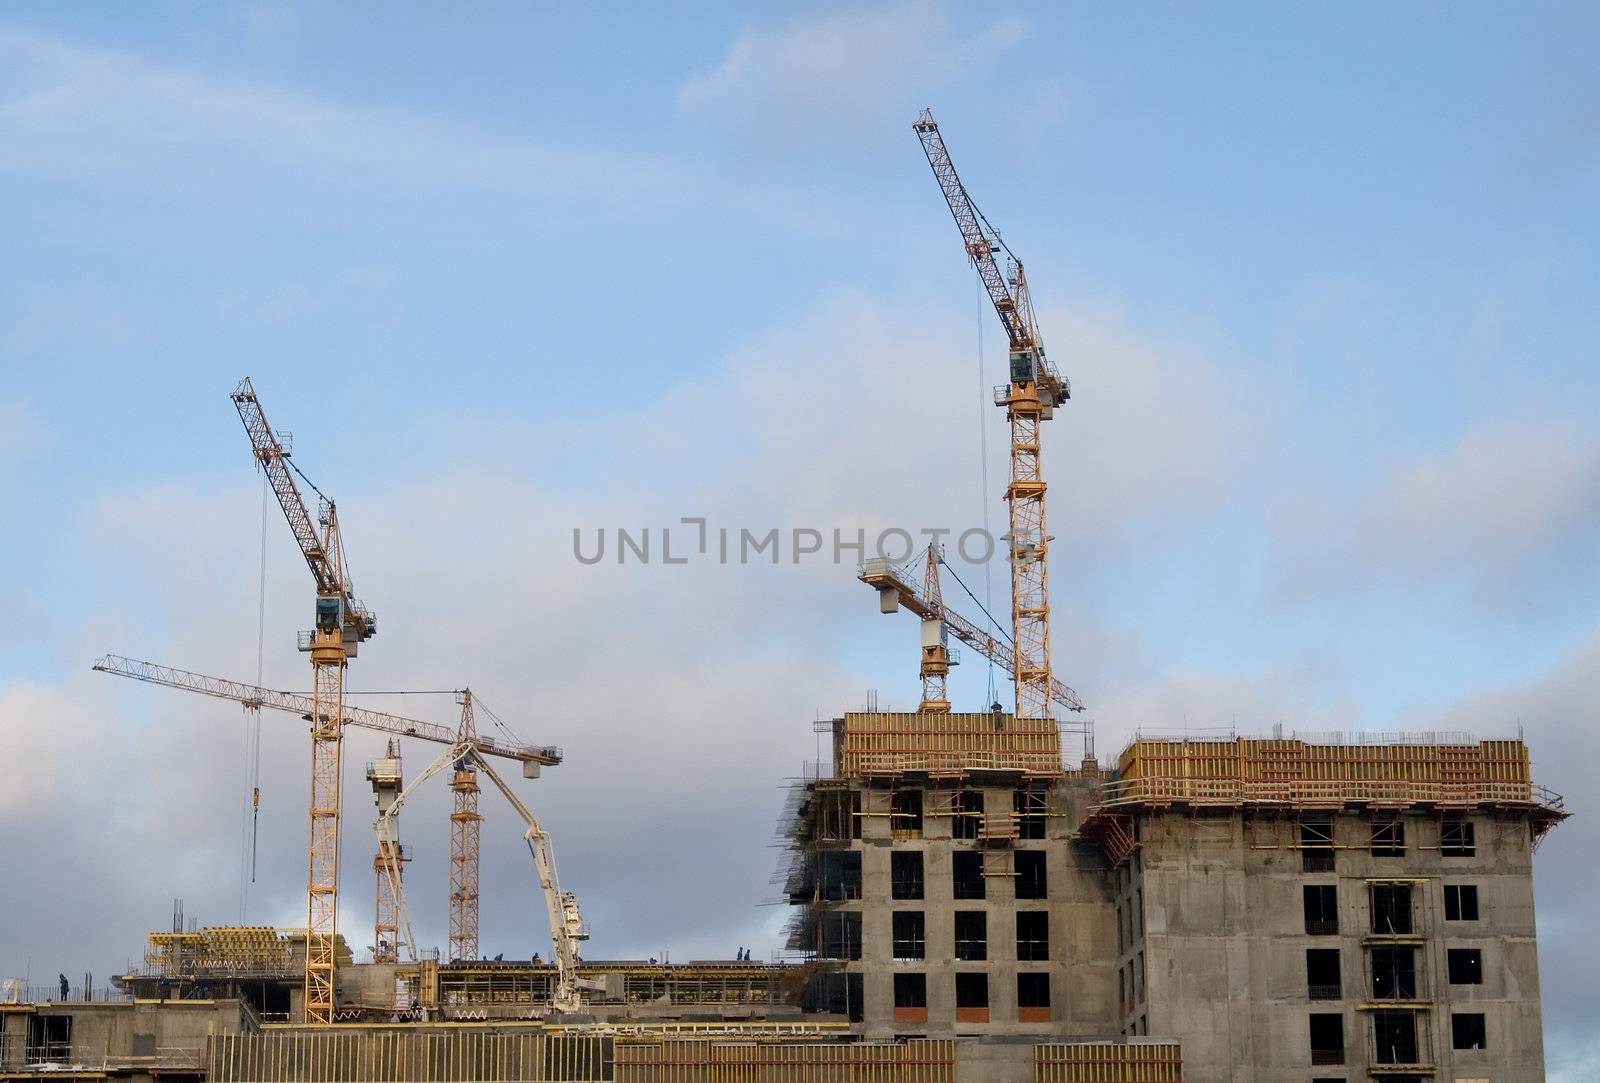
x: 63, y: 978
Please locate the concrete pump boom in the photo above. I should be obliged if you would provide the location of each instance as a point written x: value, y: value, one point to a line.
x: 561, y: 907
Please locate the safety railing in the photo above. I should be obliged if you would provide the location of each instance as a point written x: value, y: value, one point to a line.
x: 1231, y: 791
x: 53, y: 994
x: 940, y: 762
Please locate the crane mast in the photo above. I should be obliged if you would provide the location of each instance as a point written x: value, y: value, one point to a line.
x: 1030, y: 396
x: 465, y: 822
x: 340, y: 624
x: 936, y: 660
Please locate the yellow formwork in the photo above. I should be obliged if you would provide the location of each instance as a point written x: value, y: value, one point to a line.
x: 1292, y: 760
x: 1243, y: 770
x: 230, y: 949
x: 919, y: 1060
x: 888, y: 743
x: 569, y: 1055
x: 324, y: 1055
x: 1108, y: 1062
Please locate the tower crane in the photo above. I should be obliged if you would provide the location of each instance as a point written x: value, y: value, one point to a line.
x: 341, y: 625
x: 382, y: 774
x: 1030, y: 396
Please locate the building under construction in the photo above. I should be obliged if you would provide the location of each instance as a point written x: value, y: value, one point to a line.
x: 1267, y: 910
x: 967, y: 906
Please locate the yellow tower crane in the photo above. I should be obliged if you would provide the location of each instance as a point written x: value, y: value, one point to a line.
x: 384, y: 774
x: 341, y: 625
x: 1030, y: 397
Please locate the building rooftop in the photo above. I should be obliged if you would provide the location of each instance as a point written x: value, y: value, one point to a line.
x: 1397, y: 772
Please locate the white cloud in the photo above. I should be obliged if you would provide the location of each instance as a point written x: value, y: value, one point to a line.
x: 75, y: 109
x: 1214, y: 704
x: 823, y: 78
x: 1508, y: 514
x: 1150, y: 425
x: 1557, y: 711
x: 1503, y: 493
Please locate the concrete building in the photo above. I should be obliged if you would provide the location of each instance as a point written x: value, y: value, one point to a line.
x: 124, y: 1039
x: 1282, y: 910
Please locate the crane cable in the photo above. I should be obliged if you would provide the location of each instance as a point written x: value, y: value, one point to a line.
x: 250, y: 821
x: 983, y: 458
x: 296, y: 468
x: 1005, y: 635
x: 344, y: 561
x: 509, y: 733
x: 261, y: 644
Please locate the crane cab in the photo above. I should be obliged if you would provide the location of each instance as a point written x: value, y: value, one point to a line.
x: 330, y: 614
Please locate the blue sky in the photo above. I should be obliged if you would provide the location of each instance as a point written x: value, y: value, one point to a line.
x: 1323, y: 282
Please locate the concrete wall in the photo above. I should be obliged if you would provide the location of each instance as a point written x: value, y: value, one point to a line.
x: 1080, y: 961
x: 1225, y: 940
x: 131, y: 1039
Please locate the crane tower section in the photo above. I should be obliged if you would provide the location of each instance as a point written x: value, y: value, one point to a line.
x: 465, y: 827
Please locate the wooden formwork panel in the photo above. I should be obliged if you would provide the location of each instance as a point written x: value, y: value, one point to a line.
x: 397, y: 1056
x: 1108, y: 1062
x: 884, y: 743
x: 729, y: 1061
x: 1296, y: 761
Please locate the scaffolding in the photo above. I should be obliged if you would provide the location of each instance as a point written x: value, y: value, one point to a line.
x: 223, y: 949
x: 746, y: 985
